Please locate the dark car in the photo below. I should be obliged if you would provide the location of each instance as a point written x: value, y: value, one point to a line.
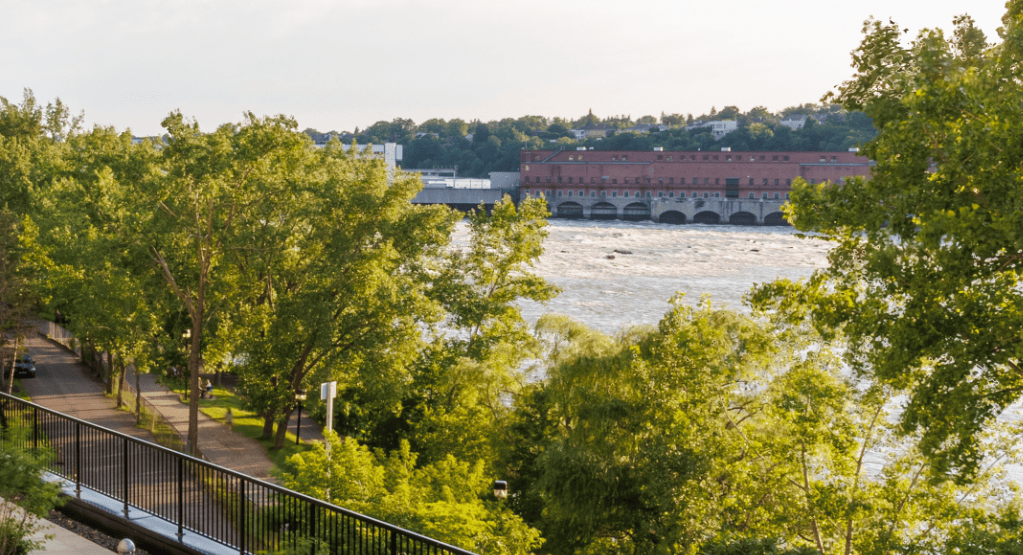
x: 24, y: 367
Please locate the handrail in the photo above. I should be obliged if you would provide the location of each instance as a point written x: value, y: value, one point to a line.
x: 206, y: 481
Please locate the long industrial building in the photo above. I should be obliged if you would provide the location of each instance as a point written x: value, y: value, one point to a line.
x: 678, y: 186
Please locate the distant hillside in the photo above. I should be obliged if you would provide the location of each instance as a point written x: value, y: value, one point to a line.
x: 478, y: 148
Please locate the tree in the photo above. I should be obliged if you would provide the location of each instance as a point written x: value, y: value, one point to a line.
x: 449, y: 500
x: 335, y: 285
x: 16, y: 295
x: 924, y: 279
x: 187, y: 212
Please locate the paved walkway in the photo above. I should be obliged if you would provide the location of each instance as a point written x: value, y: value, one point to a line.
x: 65, y: 541
x: 63, y: 384
x: 218, y: 444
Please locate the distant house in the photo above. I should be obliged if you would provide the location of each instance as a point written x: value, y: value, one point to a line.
x: 646, y: 128
x: 593, y: 130
x: 718, y: 128
x: 794, y: 121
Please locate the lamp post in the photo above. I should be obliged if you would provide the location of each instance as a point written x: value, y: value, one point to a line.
x: 300, y: 397
x: 500, y: 489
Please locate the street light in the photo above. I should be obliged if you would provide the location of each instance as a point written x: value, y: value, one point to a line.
x: 299, y: 396
x: 500, y: 489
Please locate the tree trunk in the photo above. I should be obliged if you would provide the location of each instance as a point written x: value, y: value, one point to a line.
x: 193, y: 386
x: 268, y: 425
x: 138, y: 397
x: 108, y: 372
x: 119, y: 376
x: 282, y: 428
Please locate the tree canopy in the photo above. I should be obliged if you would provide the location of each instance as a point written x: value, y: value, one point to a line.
x: 925, y: 278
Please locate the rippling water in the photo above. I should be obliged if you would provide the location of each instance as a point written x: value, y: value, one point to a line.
x: 609, y: 290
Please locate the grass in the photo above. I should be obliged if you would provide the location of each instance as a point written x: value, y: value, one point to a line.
x: 246, y: 423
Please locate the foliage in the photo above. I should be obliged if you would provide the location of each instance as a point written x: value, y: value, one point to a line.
x: 24, y: 496
x: 717, y: 431
x: 924, y: 280
x: 446, y: 500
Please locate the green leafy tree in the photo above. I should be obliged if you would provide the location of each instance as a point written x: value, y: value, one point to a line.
x: 448, y: 500
x: 924, y: 278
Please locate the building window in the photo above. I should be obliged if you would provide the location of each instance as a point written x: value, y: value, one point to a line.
x: 832, y: 158
x: 625, y: 158
x: 715, y: 157
x: 582, y: 193
x: 537, y: 179
x: 671, y: 194
x: 527, y: 167
x: 614, y: 158
x: 559, y: 193
x: 776, y: 195
x: 614, y: 194
x: 671, y: 181
x: 660, y: 180
x: 569, y: 158
x: 785, y: 158
x: 692, y: 157
x: 669, y: 158
x: 660, y: 157
x: 660, y: 193
x: 626, y: 180
x: 559, y: 179
x: 626, y: 194
x: 603, y: 193
x: 569, y: 193
x: 717, y: 195
x: 765, y: 181
x: 706, y: 194
x: 695, y: 194
x: 774, y: 158
x: 580, y: 158
x: 761, y: 158
x: 751, y: 181
x: 752, y: 159
x: 569, y: 179
x: 751, y: 195
x: 648, y: 194
x: 728, y: 158
x: 788, y: 182
x: 548, y: 179
x: 717, y: 181
x: 706, y: 181
x: 813, y: 182
x: 593, y: 194
x: 706, y: 157
x: 823, y: 158
x: 526, y: 192
x: 764, y: 196
x: 614, y: 181
x: 786, y: 195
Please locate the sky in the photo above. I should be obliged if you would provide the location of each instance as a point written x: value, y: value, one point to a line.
x: 338, y: 65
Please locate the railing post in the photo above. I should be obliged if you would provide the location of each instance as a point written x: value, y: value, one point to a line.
x: 312, y: 529
x: 181, y: 498
x: 126, y: 490
x: 241, y: 516
x: 78, y: 460
x: 394, y: 542
x: 35, y: 427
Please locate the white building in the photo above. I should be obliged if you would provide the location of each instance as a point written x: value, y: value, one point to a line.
x: 717, y: 128
x: 794, y: 121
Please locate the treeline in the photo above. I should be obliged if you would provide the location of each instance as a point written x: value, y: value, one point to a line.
x: 478, y: 148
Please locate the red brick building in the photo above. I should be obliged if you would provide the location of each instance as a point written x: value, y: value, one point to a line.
x: 673, y: 174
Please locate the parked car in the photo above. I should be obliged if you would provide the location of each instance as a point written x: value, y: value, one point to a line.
x: 24, y: 367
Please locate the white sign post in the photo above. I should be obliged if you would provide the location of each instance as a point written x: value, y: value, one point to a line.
x: 328, y: 391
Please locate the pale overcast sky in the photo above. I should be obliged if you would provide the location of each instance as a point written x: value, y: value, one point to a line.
x: 337, y: 65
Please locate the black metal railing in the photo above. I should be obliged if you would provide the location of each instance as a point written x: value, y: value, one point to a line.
x: 198, y: 497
